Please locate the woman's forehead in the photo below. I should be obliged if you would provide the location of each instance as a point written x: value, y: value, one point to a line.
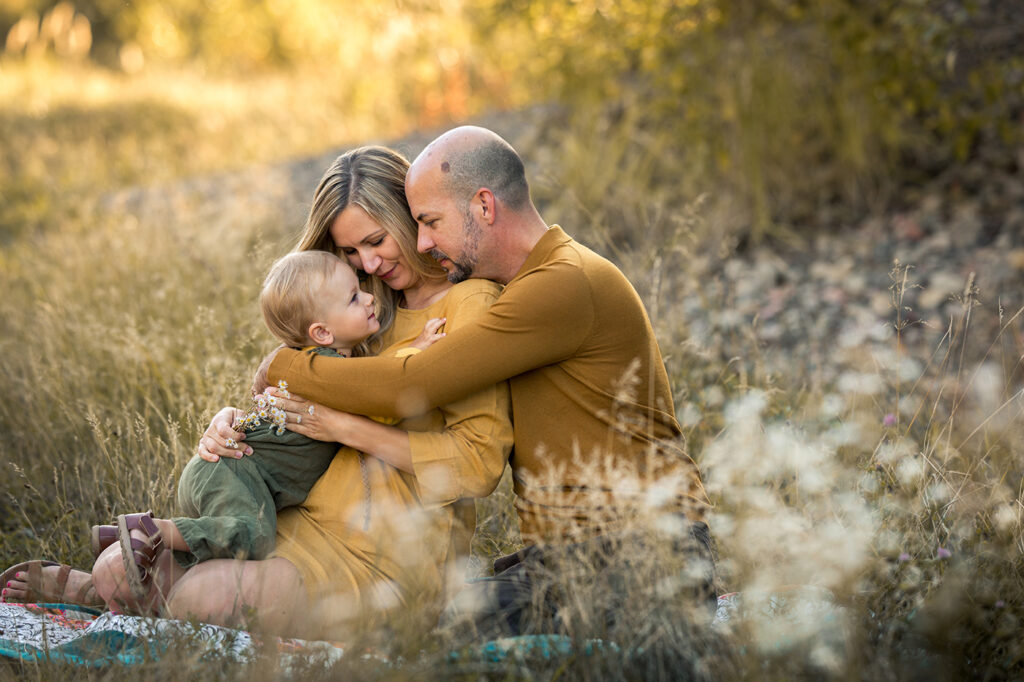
x: 352, y: 226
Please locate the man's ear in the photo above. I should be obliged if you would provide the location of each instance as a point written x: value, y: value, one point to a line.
x: 320, y: 334
x: 488, y: 204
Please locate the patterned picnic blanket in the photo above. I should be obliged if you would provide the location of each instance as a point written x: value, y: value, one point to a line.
x: 87, y: 637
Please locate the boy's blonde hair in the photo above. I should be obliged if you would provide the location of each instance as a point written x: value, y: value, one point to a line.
x: 290, y: 291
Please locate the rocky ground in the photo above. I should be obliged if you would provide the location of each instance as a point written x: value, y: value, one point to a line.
x: 824, y: 315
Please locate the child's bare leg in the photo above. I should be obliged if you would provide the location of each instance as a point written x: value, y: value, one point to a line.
x: 172, y: 536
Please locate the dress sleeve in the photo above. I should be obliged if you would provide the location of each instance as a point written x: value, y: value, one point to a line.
x: 541, y: 318
x: 468, y: 457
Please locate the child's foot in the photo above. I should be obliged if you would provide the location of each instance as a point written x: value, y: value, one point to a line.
x: 133, y: 573
x: 146, y: 559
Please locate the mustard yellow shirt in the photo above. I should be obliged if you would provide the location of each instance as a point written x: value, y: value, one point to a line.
x: 594, y: 421
x: 402, y: 540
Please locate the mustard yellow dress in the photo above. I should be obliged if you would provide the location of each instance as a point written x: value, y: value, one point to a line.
x: 401, y: 546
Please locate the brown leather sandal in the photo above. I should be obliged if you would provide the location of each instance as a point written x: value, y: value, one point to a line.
x: 139, y: 555
x: 105, y: 536
x: 102, y: 537
x: 84, y: 596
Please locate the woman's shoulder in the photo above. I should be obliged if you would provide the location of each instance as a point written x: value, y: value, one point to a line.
x: 467, y: 300
x: 473, y: 289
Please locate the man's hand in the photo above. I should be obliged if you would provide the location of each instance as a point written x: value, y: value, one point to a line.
x: 259, y: 380
x: 220, y: 438
x: 431, y: 333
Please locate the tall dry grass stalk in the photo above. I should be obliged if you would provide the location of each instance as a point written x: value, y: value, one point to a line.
x: 890, y: 483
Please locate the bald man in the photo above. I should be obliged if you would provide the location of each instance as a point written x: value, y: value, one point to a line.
x: 597, y: 445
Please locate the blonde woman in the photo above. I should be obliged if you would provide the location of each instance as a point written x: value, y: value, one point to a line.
x: 334, y: 561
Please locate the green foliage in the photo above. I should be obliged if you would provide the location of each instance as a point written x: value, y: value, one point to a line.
x: 777, y: 108
x: 785, y: 106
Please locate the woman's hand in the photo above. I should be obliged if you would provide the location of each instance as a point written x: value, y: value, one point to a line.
x: 314, y: 420
x: 387, y: 443
x: 221, y: 439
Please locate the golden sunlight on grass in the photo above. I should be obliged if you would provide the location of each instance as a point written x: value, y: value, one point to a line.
x: 829, y: 249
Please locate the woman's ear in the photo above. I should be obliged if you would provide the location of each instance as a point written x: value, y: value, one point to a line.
x: 320, y: 334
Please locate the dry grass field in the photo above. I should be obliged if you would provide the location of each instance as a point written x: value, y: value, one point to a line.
x: 851, y: 386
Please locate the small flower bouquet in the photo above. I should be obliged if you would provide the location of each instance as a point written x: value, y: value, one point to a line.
x: 265, y: 409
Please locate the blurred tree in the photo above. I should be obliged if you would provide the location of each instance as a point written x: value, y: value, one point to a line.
x: 788, y: 104
x: 784, y: 104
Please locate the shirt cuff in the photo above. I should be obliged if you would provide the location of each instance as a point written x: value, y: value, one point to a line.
x: 436, y: 472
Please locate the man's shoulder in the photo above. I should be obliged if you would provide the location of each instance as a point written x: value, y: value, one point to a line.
x: 567, y: 259
x: 567, y: 268
x: 572, y: 259
x: 584, y: 269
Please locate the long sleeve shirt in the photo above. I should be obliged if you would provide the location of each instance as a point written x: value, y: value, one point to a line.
x: 595, y: 433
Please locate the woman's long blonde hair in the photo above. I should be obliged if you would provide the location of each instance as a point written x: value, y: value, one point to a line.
x: 372, y: 178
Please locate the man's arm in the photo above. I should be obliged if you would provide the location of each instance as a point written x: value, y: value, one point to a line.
x: 540, y: 319
x: 259, y: 379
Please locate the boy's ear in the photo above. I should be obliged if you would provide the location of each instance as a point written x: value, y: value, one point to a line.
x: 320, y: 334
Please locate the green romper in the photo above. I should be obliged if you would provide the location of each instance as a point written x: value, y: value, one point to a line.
x: 232, y: 504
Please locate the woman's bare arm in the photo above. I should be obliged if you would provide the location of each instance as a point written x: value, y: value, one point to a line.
x: 387, y: 443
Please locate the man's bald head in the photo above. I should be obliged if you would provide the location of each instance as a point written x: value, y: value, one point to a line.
x: 468, y: 158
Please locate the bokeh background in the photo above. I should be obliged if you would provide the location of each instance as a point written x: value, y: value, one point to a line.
x: 821, y: 204
x: 782, y: 107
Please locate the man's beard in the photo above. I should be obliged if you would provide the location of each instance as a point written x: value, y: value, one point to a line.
x: 463, y: 268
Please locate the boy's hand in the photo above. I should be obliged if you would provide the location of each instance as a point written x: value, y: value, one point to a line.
x: 431, y: 333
